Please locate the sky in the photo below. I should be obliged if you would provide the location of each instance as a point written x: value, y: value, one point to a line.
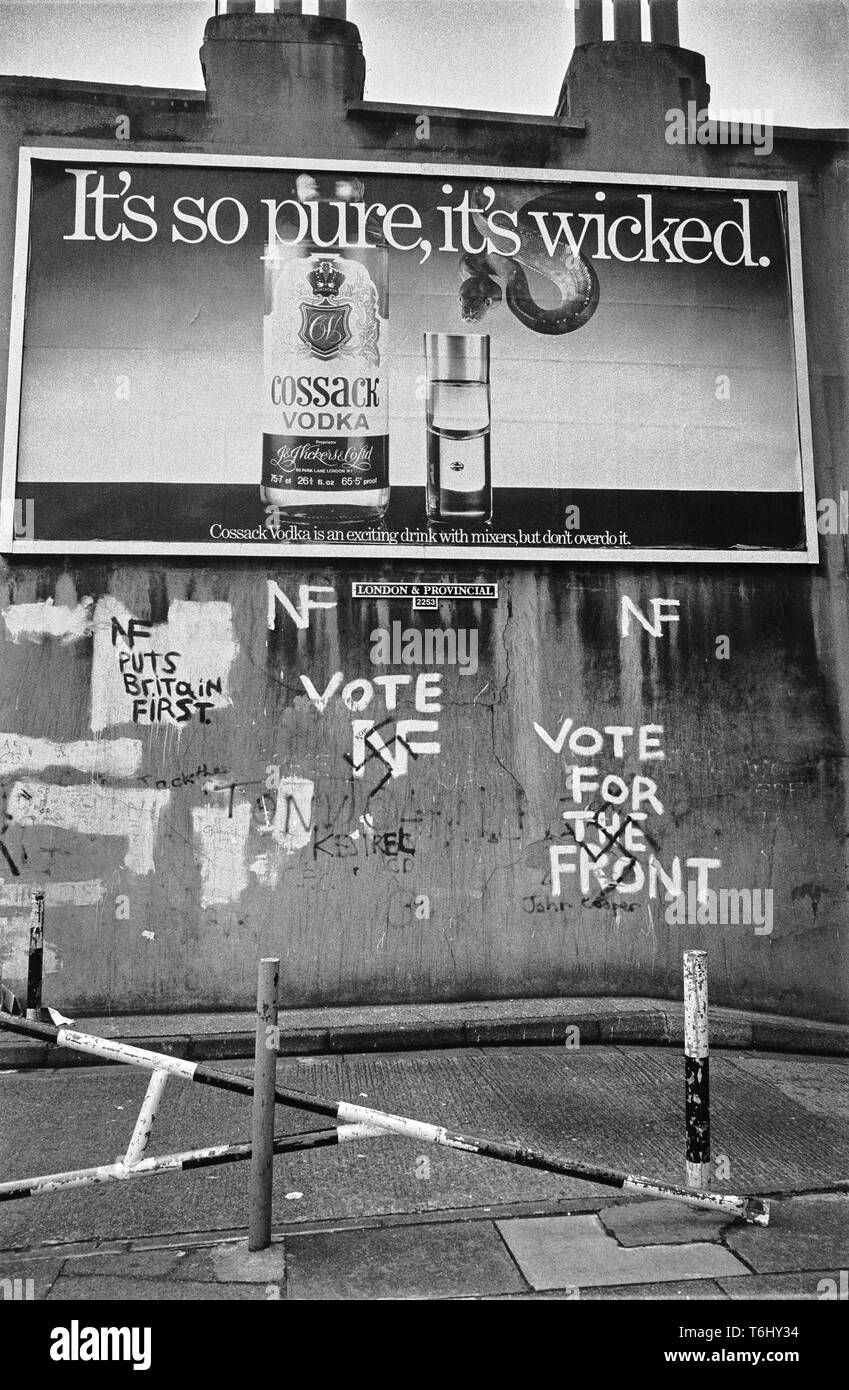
x: 786, y: 56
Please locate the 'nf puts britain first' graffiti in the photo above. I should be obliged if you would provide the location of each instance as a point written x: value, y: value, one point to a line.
x: 168, y: 674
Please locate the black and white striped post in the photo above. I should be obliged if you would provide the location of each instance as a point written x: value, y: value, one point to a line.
x: 265, y: 1078
x: 35, y: 966
x: 696, y: 1070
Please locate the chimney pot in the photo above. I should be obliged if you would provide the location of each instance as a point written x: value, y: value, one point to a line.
x: 588, y: 21
x: 628, y: 20
x: 664, y: 22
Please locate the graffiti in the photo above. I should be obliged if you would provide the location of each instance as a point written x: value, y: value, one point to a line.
x: 168, y: 674
x: 292, y: 823
x: 118, y: 757
x: 367, y: 740
x: 152, y: 679
x: 283, y: 812
x: 359, y: 693
x: 128, y: 813
x: 611, y: 850
x: 629, y: 609
x: 586, y: 742
x: 389, y: 844
x: 201, y: 774
x: 532, y: 903
x: 84, y: 892
x: 299, y: 614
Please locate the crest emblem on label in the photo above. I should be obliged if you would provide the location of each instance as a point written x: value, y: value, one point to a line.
x: 325, y: 328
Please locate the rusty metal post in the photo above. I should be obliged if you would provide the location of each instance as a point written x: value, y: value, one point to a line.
x: 696, y: 1070
x: 265, y: 1076
x: 35, y: 966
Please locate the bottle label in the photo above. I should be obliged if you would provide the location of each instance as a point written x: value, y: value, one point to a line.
x: 325, y: 388
x: 341, y: 462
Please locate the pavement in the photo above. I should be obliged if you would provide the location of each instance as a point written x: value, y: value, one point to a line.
x: 388, y: 1218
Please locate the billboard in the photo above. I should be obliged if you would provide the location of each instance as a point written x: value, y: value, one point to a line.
x: 234, y: 356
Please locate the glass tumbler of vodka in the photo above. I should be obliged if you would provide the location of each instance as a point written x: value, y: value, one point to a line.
x: 458, y: 427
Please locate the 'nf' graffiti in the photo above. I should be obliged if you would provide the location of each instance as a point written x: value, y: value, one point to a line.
x: 368, y: 736
x: 368, y: 743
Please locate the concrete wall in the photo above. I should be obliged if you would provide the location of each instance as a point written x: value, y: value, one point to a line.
x: 170, y: 859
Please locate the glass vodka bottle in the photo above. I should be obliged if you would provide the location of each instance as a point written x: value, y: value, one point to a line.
x: 325, y: 448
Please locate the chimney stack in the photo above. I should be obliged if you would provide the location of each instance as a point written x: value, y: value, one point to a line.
x: 624, y: 86
x: 282, y: 81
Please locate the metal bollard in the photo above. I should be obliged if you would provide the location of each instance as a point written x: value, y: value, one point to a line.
x: 265, y: 1076
x: 36, y: 958
x: 696, y: 1070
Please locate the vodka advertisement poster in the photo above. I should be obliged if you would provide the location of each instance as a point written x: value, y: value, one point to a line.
x: 228, y: 356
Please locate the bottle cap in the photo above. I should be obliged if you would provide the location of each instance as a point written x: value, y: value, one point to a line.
x: 457, y: 356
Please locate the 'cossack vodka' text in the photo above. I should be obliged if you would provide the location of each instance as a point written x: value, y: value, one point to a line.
x: 325, y: 444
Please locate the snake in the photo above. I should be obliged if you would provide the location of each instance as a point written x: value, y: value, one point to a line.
x: 480, y: 291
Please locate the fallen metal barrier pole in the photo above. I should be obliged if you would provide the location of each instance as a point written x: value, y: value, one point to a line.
x: 751, y: 1209
x: 180, y: 1162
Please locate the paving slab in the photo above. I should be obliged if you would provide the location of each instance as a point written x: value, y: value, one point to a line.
x: 662, y: 1223
x: 803, y: 1233
x: 688, y: 1290
x: 401, y: 1262
x: 130, y: 1264
x: 116, y: 1290
x: 236, y: 1264
x: 807, y: 1285
x: 815, y: 1083
x: 576, y: 1251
